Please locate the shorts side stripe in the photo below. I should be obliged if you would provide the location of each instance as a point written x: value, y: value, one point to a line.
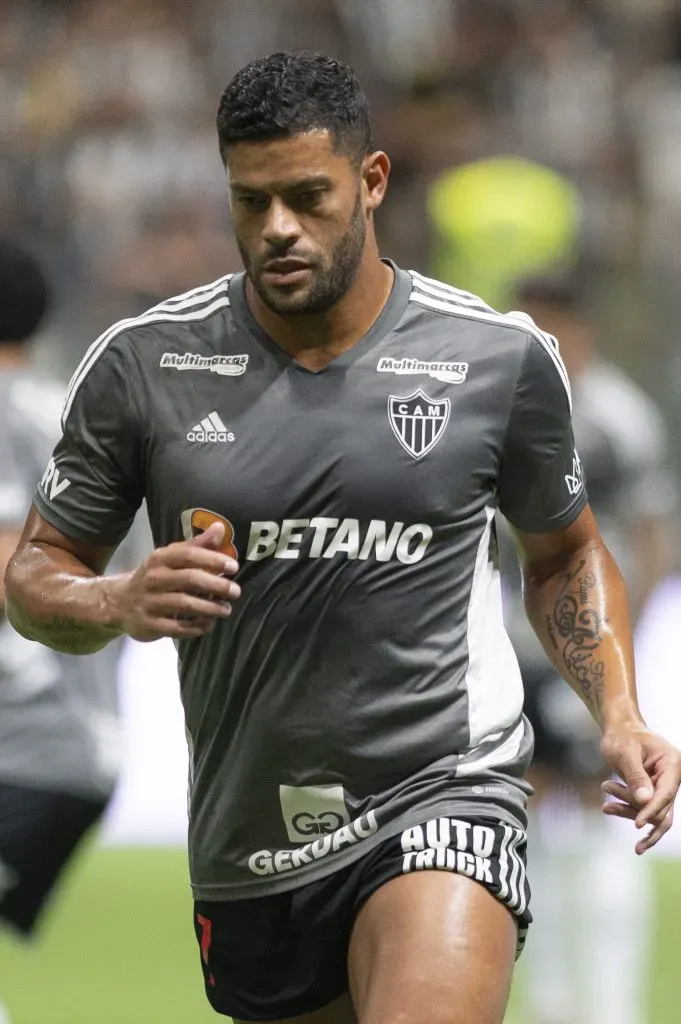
x: 522, y: 880
x: 516, y: 870
x: 503, y: 862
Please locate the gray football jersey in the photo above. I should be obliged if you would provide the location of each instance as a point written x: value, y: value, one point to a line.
x: 58, y: 717
x: 365, y: 682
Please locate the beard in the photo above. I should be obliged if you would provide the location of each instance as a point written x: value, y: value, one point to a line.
x: 332, y: 277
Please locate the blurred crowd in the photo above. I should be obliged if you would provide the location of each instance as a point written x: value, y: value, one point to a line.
x: 109, y: 168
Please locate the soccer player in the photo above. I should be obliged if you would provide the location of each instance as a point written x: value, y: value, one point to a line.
x: 59, y: 726
x: 337, y: 433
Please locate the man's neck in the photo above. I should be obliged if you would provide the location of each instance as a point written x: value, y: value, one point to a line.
x: 316, y: 339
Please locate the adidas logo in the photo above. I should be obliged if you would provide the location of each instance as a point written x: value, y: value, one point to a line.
x: 210, y: 429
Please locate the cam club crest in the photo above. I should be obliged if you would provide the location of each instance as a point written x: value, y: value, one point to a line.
x: 418, y: 421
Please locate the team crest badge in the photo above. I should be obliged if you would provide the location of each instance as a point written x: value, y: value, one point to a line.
x: 418, y: 421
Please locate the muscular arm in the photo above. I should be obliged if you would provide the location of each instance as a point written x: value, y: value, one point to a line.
x: 56, y: 593
x: 576, y: 601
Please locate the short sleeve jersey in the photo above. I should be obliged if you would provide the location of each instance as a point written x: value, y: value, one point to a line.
x: 364, y: 682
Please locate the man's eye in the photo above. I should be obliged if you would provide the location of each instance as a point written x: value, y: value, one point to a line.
x: 254, y: 202
x: 310, y: 196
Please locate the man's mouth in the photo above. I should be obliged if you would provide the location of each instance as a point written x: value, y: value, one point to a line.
x: 288, y: 271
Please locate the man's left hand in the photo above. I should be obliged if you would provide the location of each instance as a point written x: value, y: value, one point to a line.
x: 650, y: 772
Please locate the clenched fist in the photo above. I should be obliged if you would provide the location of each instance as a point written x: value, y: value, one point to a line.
x: 180, y: 590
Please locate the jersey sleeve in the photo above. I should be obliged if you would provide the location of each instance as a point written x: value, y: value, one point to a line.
x: 541, y: 484
x: 93, y: 484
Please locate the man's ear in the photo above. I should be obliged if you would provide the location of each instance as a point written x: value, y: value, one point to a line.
x: 375, y: 173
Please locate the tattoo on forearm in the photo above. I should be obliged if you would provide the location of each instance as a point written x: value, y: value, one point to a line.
x: 551, y: 632
x: 579, y: 625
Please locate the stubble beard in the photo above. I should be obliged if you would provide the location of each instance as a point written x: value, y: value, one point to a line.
x: 329, y: 284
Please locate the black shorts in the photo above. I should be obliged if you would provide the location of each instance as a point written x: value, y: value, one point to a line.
x: 566, y: 738
x: 280, y: 956
x: 38, y: 833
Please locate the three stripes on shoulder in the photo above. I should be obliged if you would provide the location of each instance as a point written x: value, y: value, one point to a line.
x: 447, y: 299
x: 193, y: 305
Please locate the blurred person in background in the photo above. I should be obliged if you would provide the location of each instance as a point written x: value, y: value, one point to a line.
x: 592, y: 899
x: 59, y: 727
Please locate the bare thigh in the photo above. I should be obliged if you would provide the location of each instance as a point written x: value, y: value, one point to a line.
x: 432, y: 948
x: 338, y: 1012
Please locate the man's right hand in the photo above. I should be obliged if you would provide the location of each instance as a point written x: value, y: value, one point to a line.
x: 179, y: 591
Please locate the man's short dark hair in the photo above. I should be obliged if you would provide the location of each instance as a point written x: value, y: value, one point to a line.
x: 289, y: 94
x: 24, y: 293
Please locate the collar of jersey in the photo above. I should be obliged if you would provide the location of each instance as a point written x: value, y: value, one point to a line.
x: 387, y: 320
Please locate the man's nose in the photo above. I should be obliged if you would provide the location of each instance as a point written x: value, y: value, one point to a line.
x: 281, y: 225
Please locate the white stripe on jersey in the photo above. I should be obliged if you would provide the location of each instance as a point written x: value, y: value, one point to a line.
x: 197, y: 304
x: 485, y: 315
x: 493, y: 682
x: 197, y: 293
x: 461, y: 299
x: 448, y: 291
x: 494, y: 757
x: 518, y: 314
x: 188, y: 299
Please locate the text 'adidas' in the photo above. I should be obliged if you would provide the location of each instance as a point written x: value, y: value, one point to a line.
x: 210, y: 429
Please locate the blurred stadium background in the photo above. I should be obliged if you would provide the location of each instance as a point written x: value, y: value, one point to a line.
x: 109, y: 171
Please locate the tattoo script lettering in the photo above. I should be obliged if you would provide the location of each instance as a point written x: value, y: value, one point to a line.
x: 579, y: 626
x: 551, y: 631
